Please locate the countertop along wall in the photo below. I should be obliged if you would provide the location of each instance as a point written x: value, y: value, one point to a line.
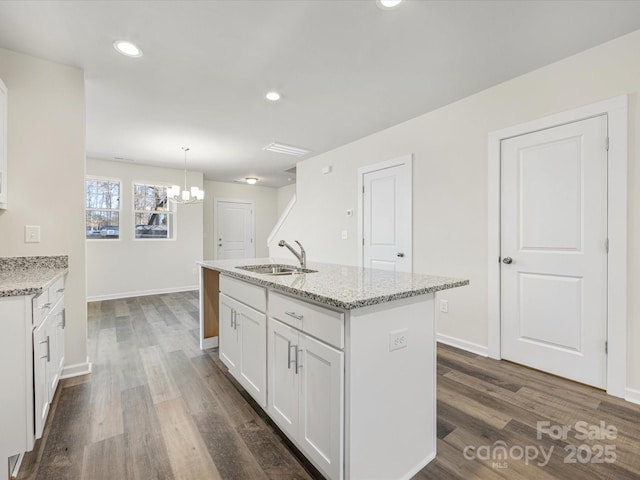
x: 128, y: 267
x: 449, y: 148
x: 46, y: 161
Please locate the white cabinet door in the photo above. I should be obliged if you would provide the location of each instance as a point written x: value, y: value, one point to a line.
x: 41, y: 354
x: 229, y: 346
x: 283, y: 380
x: 306, y: 395
x: 321, y: 404
x: 251, y: 326
x: 55, y: 331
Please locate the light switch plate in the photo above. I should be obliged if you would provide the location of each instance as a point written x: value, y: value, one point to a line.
x: 345, y: 234
x: 32, y: 234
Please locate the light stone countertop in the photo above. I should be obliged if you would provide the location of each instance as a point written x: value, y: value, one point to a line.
x: 30, y: 275
x: 340, y: 286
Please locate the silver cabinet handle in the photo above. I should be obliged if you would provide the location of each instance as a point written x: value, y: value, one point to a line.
x: 295, y: 315
x: 289, y: 361
x: 60, y: 290
x: 63, y: 314
x: 46, y: 305
x: 234, y: 319
x: 507, y: 260
x: 48, y: 355
x: 298, y: 366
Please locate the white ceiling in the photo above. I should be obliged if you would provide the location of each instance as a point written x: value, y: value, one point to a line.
x: 345, y: 68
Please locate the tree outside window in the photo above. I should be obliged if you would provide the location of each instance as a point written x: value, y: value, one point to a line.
x: 152, y: 213
x: 102, y: 208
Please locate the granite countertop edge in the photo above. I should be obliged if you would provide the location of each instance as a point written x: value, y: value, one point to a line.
x: 265, y: 281
x: 33, y: 282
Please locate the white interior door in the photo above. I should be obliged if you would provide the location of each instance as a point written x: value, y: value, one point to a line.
x: 234, y: 222
x: 554, y: 250
x: 386, y: 216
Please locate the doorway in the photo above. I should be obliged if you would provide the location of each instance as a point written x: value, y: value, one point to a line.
x: 385, y: 213
x: 234, y: 228
x: 557, y: 202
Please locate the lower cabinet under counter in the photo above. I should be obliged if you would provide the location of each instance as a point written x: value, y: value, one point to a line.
x: 355, y: 401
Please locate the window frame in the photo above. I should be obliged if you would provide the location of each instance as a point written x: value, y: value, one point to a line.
x: 171, y: 212
x: 118, y: 210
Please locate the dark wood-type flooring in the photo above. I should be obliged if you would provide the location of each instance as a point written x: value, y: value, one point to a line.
x: 156, y: 407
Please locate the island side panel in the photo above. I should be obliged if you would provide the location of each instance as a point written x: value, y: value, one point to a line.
x: 391, y: 395
x: 209, y: 307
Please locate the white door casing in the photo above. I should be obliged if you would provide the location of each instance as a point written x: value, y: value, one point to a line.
x: 234, y: 228
x: 616, y: 111
x: 553, y: 249
x: 385, y: 213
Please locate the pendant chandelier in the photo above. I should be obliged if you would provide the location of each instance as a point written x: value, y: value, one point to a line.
x: 194, y: 195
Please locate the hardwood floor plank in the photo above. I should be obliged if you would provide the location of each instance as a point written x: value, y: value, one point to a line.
x: 160, y: 383
x: 106, y: 409
x: 186, y: 449
x: 104, y: 460
x: 146, y: 455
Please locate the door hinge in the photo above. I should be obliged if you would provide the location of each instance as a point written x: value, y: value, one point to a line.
x: 362, y: 240
x: 606, y: 245
x: 606, y: 347
x: 363, y: 189
x: 607, y: 144
x: 499, y: 259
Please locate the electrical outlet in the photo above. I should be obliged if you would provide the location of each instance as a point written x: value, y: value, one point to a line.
x: 444, y: 306
x: 398, y: 339
x: 345, y: 234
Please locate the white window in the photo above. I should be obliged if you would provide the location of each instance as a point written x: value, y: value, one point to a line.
x: 153, y: 216
x: 102, y: 208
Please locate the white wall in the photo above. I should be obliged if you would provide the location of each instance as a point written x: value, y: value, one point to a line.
x: 46, y: 135
x: 129, y: 267
x: 266, y: 215
x: 285, y: 194
x: 450, y: 180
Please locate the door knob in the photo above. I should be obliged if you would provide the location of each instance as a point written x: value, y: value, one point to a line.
x: 400, y: 254
x: 507, y: 260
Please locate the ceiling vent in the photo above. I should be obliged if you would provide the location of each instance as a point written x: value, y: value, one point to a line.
x: 286, y: 149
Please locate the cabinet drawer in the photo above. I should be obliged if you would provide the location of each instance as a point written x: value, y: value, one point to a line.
x: 56, y: 291
x: 247, y: 293
x: 41, y: 307
x: 322, y: 323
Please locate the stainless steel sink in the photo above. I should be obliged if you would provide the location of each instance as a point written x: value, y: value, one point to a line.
x: 275, y: 269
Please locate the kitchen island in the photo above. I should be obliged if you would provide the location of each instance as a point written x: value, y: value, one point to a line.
x: 342, y: 359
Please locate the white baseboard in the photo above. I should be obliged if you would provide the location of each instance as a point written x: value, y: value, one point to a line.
x: 76, y: 370
x: 211, y: 342
x: 463, y: 344
x: 632, y: 396
x: 116, y: 296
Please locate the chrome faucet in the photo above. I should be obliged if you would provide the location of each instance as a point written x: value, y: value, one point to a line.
x: 302, y: 256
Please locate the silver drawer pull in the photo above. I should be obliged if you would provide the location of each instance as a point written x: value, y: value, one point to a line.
x: 295, y: 315
x: 48, y: 355
x: 46, y: 305
x: 60, y: 290
x: 298, y: 366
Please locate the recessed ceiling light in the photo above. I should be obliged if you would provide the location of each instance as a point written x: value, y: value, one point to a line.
x: 251, y: 180
x: 273, y: 96
x: 388, y: 4
x: 127, y: 48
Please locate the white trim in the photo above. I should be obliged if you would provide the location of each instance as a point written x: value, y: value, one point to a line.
x: 76, y: 370
x: 282, y: 219
x: 142, y: 293
x: 632, y: 396
x: 616, y: 111
x: 404, y: 160
x: 463, y: 344
x: 216, y: 201
x: 211, y: 342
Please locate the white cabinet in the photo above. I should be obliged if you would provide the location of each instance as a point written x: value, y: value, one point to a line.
x: 48, y: 349
x: 3, y: 145
x: 306, y: 394
x: 243, y: 337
